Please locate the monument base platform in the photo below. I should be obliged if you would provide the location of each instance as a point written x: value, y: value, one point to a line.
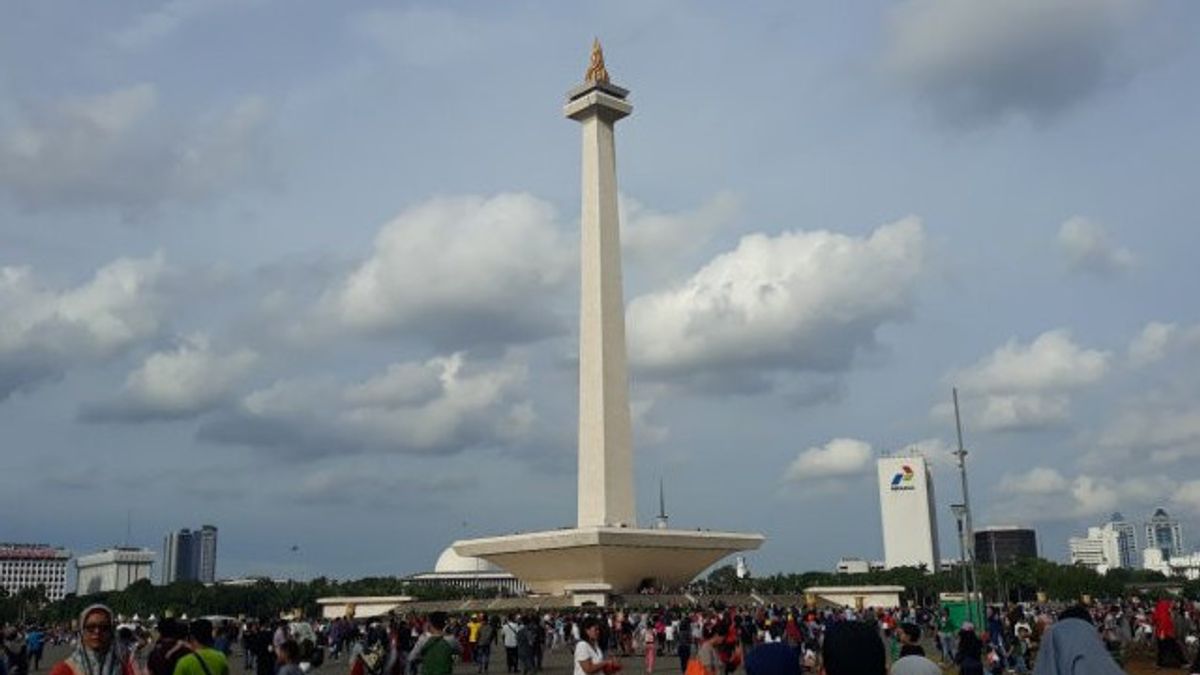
x: 557, y: 562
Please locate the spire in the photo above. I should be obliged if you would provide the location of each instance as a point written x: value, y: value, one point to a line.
x: 596, y: 71
x: 662, y: 506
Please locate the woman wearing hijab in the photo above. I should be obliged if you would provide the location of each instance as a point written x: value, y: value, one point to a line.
x: 97, y: 652
x: 1073, y: 647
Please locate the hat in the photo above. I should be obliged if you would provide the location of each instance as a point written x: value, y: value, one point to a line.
x: 967, y: 625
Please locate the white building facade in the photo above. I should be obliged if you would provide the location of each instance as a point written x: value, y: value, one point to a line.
x: 1126, y: 540
x: 112, y: 569
x: 1099, y: 550
x: 30, y: 565
x: 908, y: 513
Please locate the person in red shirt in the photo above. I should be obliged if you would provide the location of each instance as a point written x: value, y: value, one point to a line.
x: 98, y: 652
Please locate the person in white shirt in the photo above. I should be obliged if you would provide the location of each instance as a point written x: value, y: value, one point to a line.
x: 508, y: 635
x: 589, y: 658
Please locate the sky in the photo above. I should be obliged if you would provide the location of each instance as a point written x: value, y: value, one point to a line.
x: 308, y: 271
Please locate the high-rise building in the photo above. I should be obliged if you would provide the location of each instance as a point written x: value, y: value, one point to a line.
x: 190, y: 555
x: 30, y: 565
x: 1165, y: 534
x: 1099, y: 550
x: 908, y: 513
x: 112, y: 569
x: 1005, y: 545
x: 1126, y: 540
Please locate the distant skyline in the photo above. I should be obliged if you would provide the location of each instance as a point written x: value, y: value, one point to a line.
x: 309, y: 271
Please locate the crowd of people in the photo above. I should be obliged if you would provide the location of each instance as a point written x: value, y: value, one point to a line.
x: 761, y: 640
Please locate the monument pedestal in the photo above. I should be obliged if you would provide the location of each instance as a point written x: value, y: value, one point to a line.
x: 588, y: 560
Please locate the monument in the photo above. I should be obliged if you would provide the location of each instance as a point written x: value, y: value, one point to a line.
x: 606, y: 552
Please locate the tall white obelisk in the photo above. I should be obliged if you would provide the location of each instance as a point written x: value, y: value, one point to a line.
x: 607, y: 552
x: 605, y: 437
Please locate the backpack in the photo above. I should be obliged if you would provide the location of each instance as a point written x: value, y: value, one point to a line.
x: 437, y: 657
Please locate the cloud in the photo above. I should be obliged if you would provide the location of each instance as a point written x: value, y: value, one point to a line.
x: 1039, y: 480
x: 396, y: 411
x: 838, y: 457
x: 459, y: 271
x: 44, y: 332
x: 792, y: 303
x: 181, y: 382
x: 158, y: 24
x: 651, y: 239
x: 1088, y: 249
x: 936, y: 450
x: 978, y: 62
x: 1161, y: 432
x: 1187, y: 496
x: 120, y: 149
x: 1025, y: 387
x: 1043, y: 493
x: 1158, y: 339
x: 1151, y: 344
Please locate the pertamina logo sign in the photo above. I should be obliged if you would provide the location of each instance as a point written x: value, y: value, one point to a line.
x: 903, y: 480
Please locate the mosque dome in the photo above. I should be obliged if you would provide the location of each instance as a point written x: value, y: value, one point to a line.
x: 451, y: 562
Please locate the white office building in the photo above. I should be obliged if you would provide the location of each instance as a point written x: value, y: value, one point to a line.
x: 1099, y: 550
x: 1165, y: 534
x: 908, y: 513
x: 112, y: 569
x: 29, y: 565
x: 1126, y: 540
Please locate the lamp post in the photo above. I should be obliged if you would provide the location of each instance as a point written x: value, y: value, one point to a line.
x: 960, y: 514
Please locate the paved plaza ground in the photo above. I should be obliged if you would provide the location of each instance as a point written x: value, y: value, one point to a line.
x: 558, y: 662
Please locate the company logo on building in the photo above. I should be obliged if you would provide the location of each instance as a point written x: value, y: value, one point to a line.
x: 903, y: 480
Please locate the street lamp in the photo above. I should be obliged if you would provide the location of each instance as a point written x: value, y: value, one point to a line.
x: 960, y: 517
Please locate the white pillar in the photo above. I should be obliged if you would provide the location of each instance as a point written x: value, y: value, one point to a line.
x: 605, y: 437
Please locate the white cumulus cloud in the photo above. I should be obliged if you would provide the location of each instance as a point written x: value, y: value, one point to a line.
x: 838, y: 457
x: 1027, y: 386
x: 189, y: 379
x: 440, y: 406
x: 798, y: 301
x: 1088, y: 248
x: 460, y: 271
x: 45, y: 331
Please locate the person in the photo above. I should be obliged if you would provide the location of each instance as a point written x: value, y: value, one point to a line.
x: 288, y: 658
x: 483, y: 645
x: 683, y: 647
x: 853, y: 648
x: 1169, y: 655
x: 525, y: 639
x: 589, y: 657
x: 708, y: 657
x: 204, y: 660
x: 910, y: 640
x: 1072, y: 647
x: 915, y: 664
x: 969, y: 656
x: 35, y: 640
x: 96, y: 652
x: 169, y: 648
x: 435, y: 650
x: 16, y: 652
x: 508, y: 634
x: 651, y: 648
x: 473, y: 627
